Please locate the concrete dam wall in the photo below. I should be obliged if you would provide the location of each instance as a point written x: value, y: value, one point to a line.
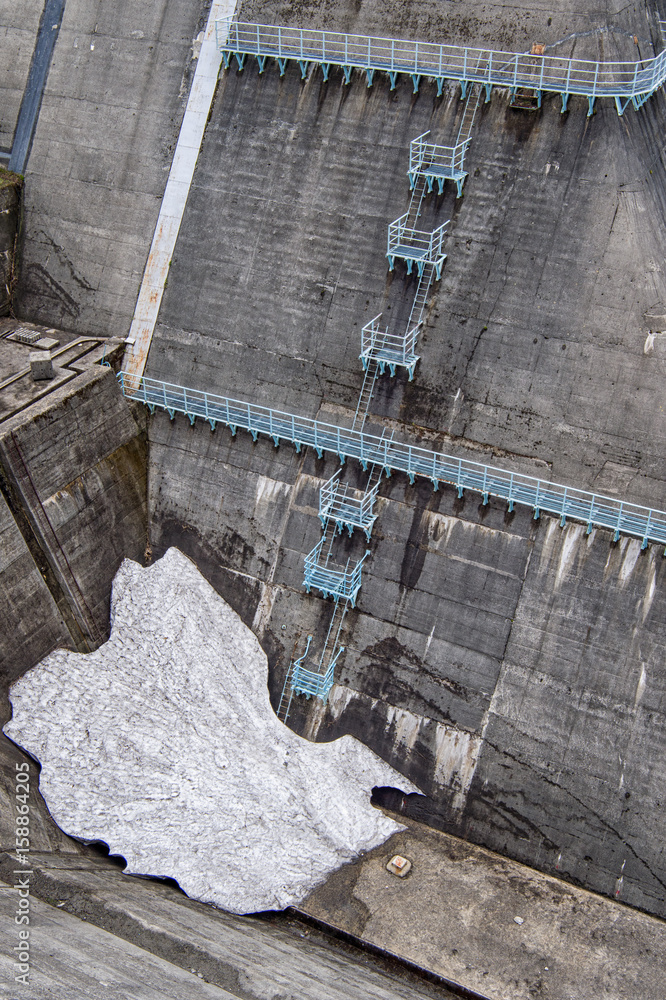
x: 72, y: 505
x: 513, y: 669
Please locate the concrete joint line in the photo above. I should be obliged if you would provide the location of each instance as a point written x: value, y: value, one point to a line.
x: 176, y: 193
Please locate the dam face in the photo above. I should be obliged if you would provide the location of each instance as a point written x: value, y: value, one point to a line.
x: 512, y: 668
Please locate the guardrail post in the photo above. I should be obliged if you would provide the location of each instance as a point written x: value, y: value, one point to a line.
x: 616, y: 534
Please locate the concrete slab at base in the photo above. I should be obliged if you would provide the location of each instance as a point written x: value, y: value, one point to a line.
x: 493, y: 926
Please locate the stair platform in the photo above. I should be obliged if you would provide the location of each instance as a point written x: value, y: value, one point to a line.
x: 437, y: 163
x: 311, y: 683
x: 339, y: 582
x: 346, y: 507
x: 415, y: 246
x: 394, y: 350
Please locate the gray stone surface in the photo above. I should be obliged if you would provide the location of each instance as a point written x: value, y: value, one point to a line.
x: 41, y: 365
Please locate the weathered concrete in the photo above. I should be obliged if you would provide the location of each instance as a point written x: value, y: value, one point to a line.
x: 72, y: 470
x: 107, y: 128
x: 18, y: 32
x: 554, y: 259
x: 256, y: 959
x: 70, y: 958
x: 455, y: 913
x: 10, y: 213
x: 536, y: 347
x: 484, y: 646
x: 485, y: 650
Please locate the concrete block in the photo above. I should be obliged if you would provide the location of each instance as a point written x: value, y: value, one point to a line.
x: 41, y: 365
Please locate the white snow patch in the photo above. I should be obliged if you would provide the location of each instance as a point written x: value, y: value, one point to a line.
x: 640, y: 687
x: 650, y: 589
x: 163, y: 744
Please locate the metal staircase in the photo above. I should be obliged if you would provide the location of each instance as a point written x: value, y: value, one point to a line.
x: 469, y: 114
x: 421, y: 298
x: 365, y: 395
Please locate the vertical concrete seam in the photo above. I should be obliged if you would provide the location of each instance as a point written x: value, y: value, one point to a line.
x: 66, y: 579
x: 176, y: 193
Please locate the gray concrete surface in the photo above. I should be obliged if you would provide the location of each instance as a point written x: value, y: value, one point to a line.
x: 252, y: 958
x: 512, y: 669
x: 487, y: 650
x: 110, y: 115
x: 47, y: 34
x: 489, y: 654
x: 18, y: 33
x: 72, y: 476
x: 455, y: 913
x: 71, y: 958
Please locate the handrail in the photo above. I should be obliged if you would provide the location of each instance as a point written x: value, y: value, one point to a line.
x: 593, y: 509
x: 556, y: 74
x: 426, y: 156
x: 426, y: 246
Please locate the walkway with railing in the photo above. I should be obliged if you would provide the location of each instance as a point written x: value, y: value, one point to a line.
x: 624, y: 82
x: 542, y: 496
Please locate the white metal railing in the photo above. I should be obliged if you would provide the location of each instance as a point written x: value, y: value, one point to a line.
x: 593, y: 509
x: 558, y: 74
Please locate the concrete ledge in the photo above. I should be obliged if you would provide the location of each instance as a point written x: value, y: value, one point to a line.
x: 493, y: 926
x: 250, y: 957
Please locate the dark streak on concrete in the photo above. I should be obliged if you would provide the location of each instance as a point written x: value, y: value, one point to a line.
x: 49, y: 27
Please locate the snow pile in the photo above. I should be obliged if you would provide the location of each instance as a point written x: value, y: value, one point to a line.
x: 164, y: 745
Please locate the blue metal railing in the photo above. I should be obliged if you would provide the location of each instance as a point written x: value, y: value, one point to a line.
x: 390, y: 349
x: 333, y: 581
x: 346, y: 507
x: 437, y: 163
x: 415, y: 245
x: 311, y: 683
x: 622, y: 81
x: 593, y: 509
